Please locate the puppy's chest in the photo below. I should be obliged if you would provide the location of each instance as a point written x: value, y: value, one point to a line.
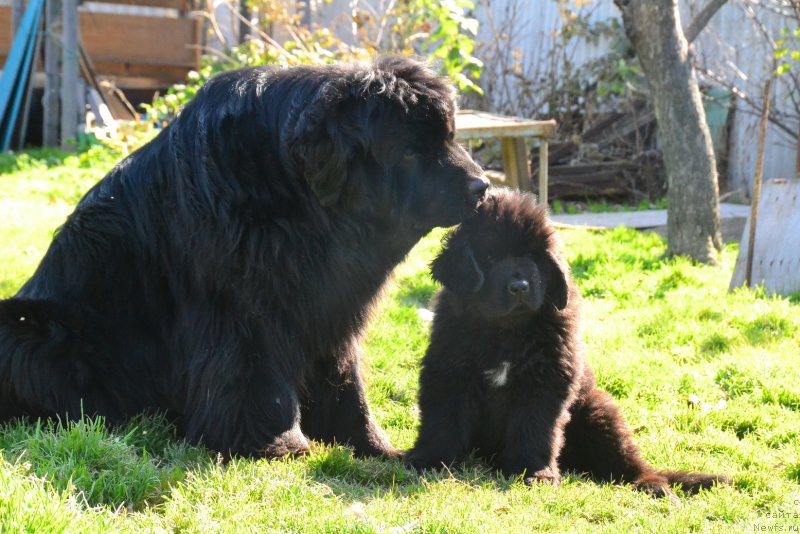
x: 513, y: 364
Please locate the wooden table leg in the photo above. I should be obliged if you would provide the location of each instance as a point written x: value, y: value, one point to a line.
x: 515, y: 163
x: 543, y: 177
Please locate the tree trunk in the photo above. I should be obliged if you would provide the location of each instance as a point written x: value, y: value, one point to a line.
x: 653, y: 26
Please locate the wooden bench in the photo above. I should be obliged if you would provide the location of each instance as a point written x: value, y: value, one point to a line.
x: 511, y: 131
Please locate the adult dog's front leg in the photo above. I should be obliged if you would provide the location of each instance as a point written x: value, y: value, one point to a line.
x: 240, y: 400
x: 335, y: 407
x: 264, y: 421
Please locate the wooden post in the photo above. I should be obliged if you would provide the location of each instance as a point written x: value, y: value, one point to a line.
x: 797, y: 157
x: 762, y: 136
x: 305, y: 15
x: 543, y: 170
x: 515, y: 163
x: 50, y: 99
x: 17, y: 11
x: 244, y: 13
x: 69, y: 72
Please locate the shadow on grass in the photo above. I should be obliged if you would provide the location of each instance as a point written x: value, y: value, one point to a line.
x: 767, y: 328
x: 416, y: 291
x: 353, y: 478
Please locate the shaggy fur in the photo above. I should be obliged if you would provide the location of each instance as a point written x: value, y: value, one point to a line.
x: 223, y: 273
x: 505, y: 372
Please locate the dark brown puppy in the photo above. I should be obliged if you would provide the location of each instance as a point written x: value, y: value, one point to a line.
x: 505, y: 373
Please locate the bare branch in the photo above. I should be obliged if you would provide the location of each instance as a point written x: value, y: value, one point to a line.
x: 701, y: 19
x: 745, y: 98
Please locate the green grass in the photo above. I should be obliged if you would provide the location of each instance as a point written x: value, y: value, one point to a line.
x: 708, y: 379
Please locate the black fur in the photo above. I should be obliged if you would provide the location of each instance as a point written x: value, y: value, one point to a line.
x: 505, y: 373
x: 224, y: 272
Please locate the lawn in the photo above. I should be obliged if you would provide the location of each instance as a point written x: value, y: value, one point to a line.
x: 709, y: 380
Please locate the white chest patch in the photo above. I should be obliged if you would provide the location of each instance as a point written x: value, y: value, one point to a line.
x: 498, y: 376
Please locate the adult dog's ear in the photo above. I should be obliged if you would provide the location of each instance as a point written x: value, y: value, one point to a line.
x: 557, y: 285
x: 322, y: 136
x: 455, y: 266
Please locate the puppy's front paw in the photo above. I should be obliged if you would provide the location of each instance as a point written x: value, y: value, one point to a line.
x: 421, y: 460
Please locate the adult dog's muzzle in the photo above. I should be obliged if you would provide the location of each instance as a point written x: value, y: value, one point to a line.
x: 477, y: 188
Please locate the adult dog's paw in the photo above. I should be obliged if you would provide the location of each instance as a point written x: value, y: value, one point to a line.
x: 548, y: 475
x: 291, y: 442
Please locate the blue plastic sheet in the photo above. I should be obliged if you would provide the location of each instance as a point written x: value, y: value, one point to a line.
x: 17, y: 70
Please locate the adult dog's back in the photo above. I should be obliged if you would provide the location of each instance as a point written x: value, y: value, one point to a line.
x: 222, y: 273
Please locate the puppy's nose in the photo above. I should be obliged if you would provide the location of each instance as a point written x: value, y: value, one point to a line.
x: 477, y: 188
x: 517, y: 287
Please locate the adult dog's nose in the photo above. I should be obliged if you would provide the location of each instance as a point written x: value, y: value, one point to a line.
x: 518, y: 287
x: 477, y: 188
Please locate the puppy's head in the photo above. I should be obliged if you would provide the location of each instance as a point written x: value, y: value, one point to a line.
x: 505, y: 260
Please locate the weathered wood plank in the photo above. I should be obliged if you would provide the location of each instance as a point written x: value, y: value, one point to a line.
x: 141, y: 40
x: 5, y: 33
x: 180, y: 5
x: 776, y: 255
x: 131, y: 45
x: 132, y: 76
x: 479, y: 125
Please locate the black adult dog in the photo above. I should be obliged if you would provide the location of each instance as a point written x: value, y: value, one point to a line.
x: 224, y: 272
x: 505, y: 372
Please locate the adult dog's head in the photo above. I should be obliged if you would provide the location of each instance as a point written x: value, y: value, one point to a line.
x: 375, y: 142
x: 383, y: 137
x: 504, y: 262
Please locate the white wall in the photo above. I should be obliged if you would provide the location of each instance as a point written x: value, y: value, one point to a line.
x: 731, y: 45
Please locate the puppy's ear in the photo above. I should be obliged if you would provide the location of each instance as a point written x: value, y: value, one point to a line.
x: 322, y: 137
x: 455, y: 266
x: 557, y: 284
